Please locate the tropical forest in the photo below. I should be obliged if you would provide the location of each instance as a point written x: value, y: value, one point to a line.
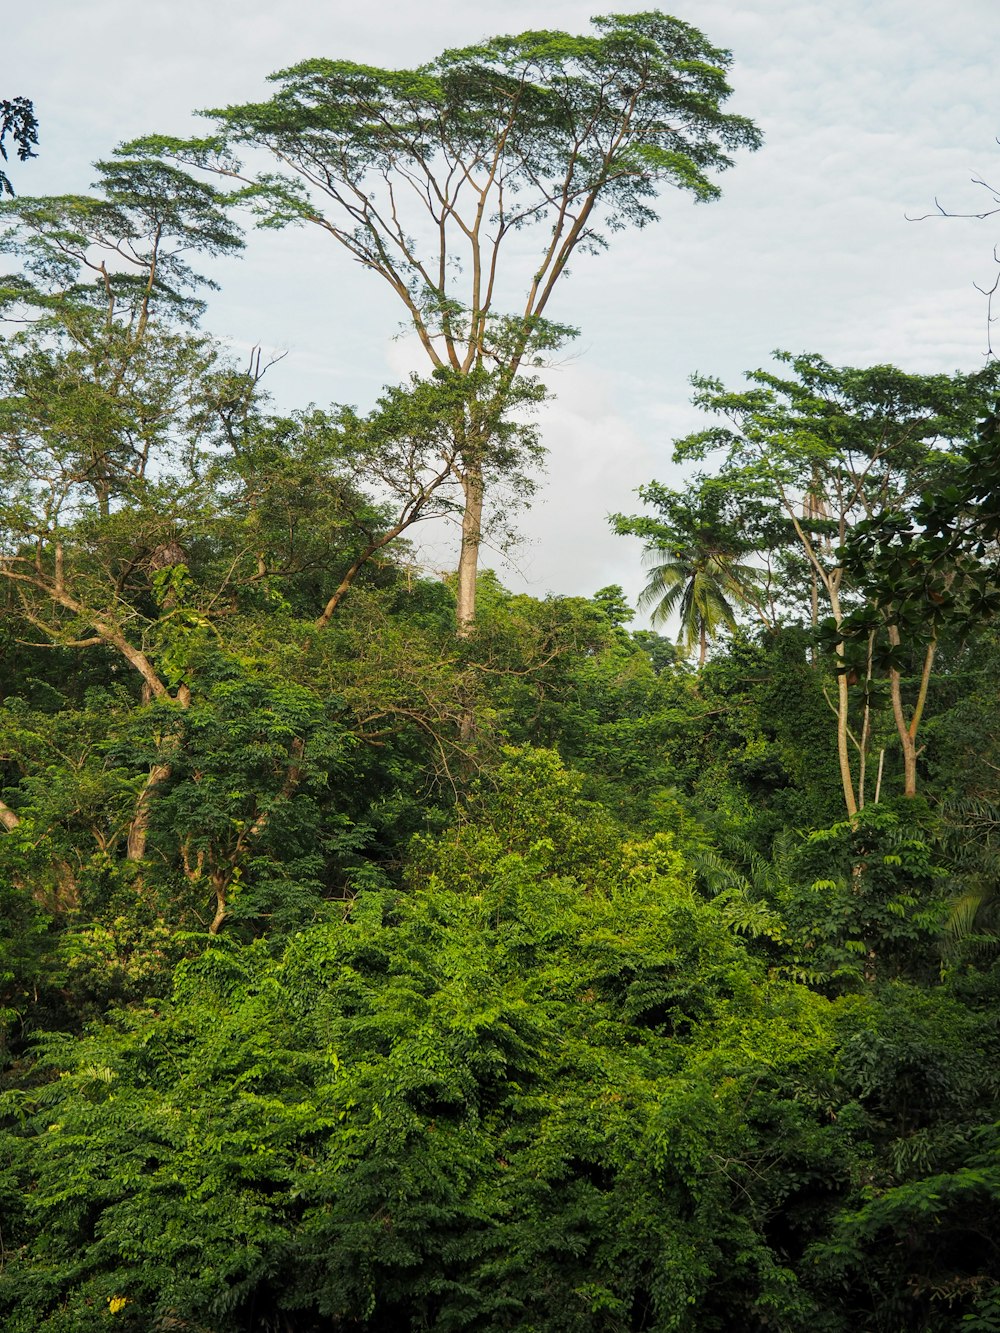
x: 382, y: 949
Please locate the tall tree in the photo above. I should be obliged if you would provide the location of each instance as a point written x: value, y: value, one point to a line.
x: 827, y: 449
x: 103, y: 383
x: 104, y: 390
x: 430, y: 177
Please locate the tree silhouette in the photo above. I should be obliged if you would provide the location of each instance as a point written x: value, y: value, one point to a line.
x: 17, y: 118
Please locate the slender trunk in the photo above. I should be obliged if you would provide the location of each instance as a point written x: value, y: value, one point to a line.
x: 878, y: 780
x: 411, y: 513
x: 863, y: 756
x: 345, y: 585
x: 472, y: 534
x: 903, y: 731
x: 468, y: 568
x: 110, y: 634
x: 907, y: 731
x: 843, y: 707
x: 866, y: 725
x: 8, y: 818
x: 831, y: 580
x: 843, y: 752
x: 702, y: 645
x: 158, y: 774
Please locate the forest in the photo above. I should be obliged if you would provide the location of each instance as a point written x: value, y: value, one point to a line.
x: 382, y: 949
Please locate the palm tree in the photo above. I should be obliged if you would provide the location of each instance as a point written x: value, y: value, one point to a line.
x: 699, y: 581
x: 693, y: 551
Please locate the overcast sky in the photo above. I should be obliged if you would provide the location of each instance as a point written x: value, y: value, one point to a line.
x: 870, y: 109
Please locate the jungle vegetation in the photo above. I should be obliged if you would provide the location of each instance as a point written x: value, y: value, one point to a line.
x: 383, y: 952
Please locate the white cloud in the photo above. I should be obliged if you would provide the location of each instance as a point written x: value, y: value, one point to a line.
x: 871, y: 108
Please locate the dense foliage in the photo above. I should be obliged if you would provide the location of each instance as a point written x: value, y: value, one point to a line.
x: 366, y: 966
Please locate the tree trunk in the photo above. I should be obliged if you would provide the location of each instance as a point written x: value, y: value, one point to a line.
x: 905, y: 739
x: 139, y: 828
x: 843, y: 752
x: 843, y: 706
x: 866, y: 725
x: 158, y: 774
x: 907, y: 731
x: 220, y: 885
x: 878, y: 780
x: 472, y: 535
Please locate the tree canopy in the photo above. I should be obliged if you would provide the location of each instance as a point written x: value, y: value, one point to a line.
x: 425, y: 177
x: 366, y: 966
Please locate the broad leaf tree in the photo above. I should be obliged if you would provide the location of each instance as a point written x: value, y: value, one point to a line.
x: 104, y: 392
x: 431, y: 177
x: 148, y: 507
x: 824, y: 450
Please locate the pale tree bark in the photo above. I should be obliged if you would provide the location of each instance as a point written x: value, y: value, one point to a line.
x: 866, y: 728
x: 105, y: 631
x: 878, y: 780
x: 468, y: 564
x: 139, y: 827
x: 411, y: 513
x: 814, y: 507
x: 831, y: 580
x: 473, y: 199
x: 220, y: 887
x: 109, y: 634
x: 907, y: 728
x: 843, y: 749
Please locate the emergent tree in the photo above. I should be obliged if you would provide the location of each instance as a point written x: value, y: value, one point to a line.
x: 426, y: 176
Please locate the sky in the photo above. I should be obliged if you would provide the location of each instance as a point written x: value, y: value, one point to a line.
x: 871, y: 110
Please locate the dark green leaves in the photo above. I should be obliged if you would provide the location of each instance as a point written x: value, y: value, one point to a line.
x: 17, y: 119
